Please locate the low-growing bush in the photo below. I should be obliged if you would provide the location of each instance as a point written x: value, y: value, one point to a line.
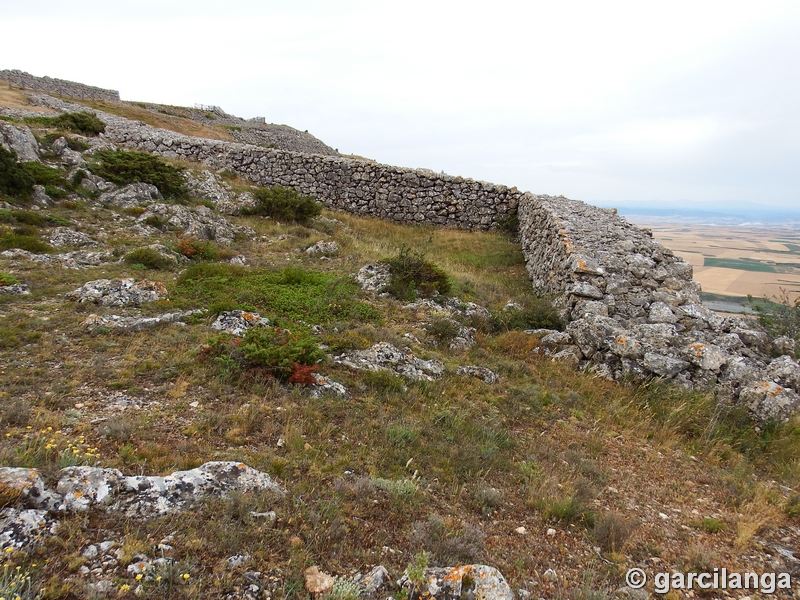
x: 150, y: 258
x: 85, y: 123
x: 198, y: 249
x: 779, y: 318
x: 284, y: 204
x: 15, y: 180
x: 30, y: 243
x: 412, y: 275
x: 123, y: 167
x: 277, y: 349
x: 443, y: 330
x: 6, y: 279
x: 611, y: 531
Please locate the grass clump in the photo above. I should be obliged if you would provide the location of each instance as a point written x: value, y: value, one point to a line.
x: 536, y: 313
x: 123, y: 167
x: 284, y: 204
x: 449, y: 544
x: 149, y: 258
x: 413, y: 275
x: 611, y: 531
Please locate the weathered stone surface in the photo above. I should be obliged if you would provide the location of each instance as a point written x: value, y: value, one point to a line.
x: 466, y: 581
x: 325, y: 385
x: 25, y: 529
x: 374, y: 277
x: 706, y: 356
x: 385, y: 357
x: 784, y: 345
x: 237, y: 322
x: 131, y: 195
x: 64, y: 236
x: 665, y: 366
x: 119, y: 292
x: 769, y: 401
x: 127, y: 323
x: 323, y: 248
x: 317, y: 583
x: 208, y: 185
x: 15, y: 289
x: 661, y: 313
x: 199, y: 222
x: 786, y: 370
x: 20, y: 140
x: 487, y: 375
x: 79, y: 259
x: 28, y: 488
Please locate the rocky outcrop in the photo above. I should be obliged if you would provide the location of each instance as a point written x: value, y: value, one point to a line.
x: 199, y: 222
x: 79, y: 259
x: 237, y: 322
x: 385, y: 357
x: 127, y: 323
x: 20, y: 140
x: 118, y: 292
x: 131, y: 195
x: 465, y: 581
x: 64, y: 236
x: 83, y: 488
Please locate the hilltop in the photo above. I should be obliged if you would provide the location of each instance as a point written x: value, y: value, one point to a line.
x: 194, y: 316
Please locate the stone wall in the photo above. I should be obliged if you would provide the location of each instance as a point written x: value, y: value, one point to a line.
x: 630, y: 305
x: 56, y: 87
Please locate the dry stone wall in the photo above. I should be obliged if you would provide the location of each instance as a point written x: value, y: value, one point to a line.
x: 630, y: 305
x: 56, y: 87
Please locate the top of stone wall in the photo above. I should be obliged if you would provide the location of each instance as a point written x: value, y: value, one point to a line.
x: 58, y: 87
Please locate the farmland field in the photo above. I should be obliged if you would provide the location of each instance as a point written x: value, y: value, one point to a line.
x: 734, y: 261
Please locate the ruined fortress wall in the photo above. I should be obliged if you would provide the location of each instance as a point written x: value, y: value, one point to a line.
x: 56, y: 87
x: 630, y: 305
x: 354, y: 186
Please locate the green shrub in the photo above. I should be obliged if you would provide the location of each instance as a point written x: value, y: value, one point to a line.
x: 284, y: 204
x: 447, y: 543
x: 412, y: 275
x: 15, y: 180
x: 277, y: 349
x: 123, y: 167
x: 611, y: 531
x: 30, y: 243
x: 6, y: 279
x: 509, y: 223
x: 150, y: 258
x: 198, y: 249
x: 443, y: 330
x: 85, y: 123
x: 778, y: 318
x: 44, y: 175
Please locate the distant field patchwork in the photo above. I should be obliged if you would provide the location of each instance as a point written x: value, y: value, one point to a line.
x: 737, y: 261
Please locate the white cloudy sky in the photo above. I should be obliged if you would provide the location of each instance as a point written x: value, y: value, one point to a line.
x: 608, y: 102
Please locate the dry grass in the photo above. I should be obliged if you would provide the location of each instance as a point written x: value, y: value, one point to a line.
x: 164, y: 121
x: 14, y: 98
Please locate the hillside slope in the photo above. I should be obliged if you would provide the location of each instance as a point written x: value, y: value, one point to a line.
x: 396, y: 425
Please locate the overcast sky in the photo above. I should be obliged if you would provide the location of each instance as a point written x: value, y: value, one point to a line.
x: 607, y: 102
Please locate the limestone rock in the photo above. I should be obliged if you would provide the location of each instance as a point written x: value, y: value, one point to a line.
x: 768, y: 401
x: 27, y: 488
x: 64, y: 236
x: 208, y: 185
x: 24, y: 529
x: 20, y: 140
x: 661, y: 313
x: 784, y: 345
x: 466, y: 581
x: 131, y: 195
x: 317, y: 583
x: 323, y: 248
x: 373, y: 277
x: 78, y: 259
x: 119, y: 292
x: 785, y: 369
x: 487, y: 375
x: 237, y: 322
x: 123, y: 323
x: 707, y: 356
x: 663, y: 365
x: 325, y: 385
x: 199, y: 222
x: 385, y: 357
x: 15, y: 289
